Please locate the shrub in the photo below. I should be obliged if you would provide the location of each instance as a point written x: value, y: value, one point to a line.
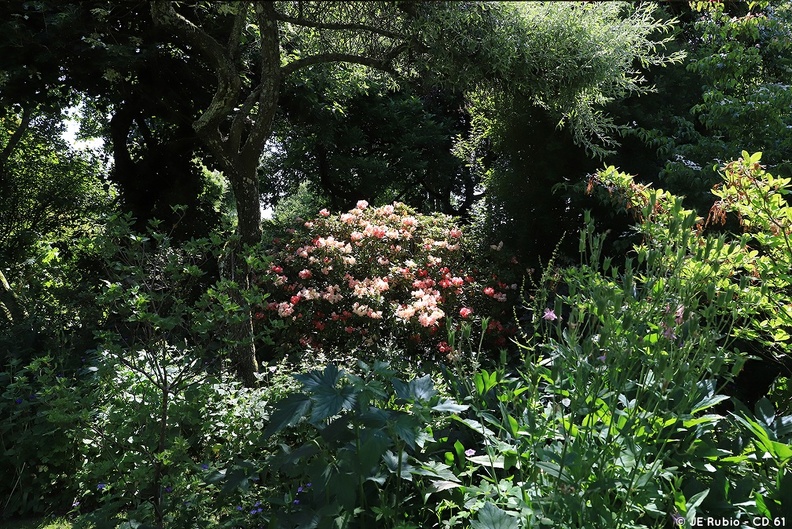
x: 372, y: 274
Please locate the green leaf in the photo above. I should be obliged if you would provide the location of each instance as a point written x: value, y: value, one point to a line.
x: 315, y: 379
x: 761, y: 506
x: 392, y: 463
x: 329, y: 400
x: 491, y: 517
x: 287, y: 413
x: 696, y: 500
x: 764, y: 411
x: 236, y: 479
x: 406, y: 427
x: 373, y: 445
x: 418, y: 388
x: 475, y: 425
x: 485, y: 461
x: 554, y: 470
x: 437, y: 486
x: 450, y: 406
x: 708, y: 402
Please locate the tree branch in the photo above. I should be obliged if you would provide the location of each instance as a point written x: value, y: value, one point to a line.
x: 27, y: 115
x: 268, y: 89
x: 235, y: 38
x: 228, y: 79
x: 322, y: 58
x: 339, y: 27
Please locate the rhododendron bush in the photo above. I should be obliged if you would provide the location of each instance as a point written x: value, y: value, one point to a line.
x: 353, y: 279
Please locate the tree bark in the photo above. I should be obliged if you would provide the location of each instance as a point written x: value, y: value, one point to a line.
x: 10, y: 309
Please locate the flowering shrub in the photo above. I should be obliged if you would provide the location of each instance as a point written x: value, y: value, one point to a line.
x: 375, y: 273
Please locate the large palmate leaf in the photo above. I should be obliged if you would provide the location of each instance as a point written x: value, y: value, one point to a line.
x: 491, y: 517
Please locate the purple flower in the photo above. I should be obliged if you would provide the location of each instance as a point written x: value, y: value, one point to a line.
x: 18, y: 401
x: 668, y: 332
x: 101, y: 486
x: 549, y: 315
x: 239, y: 507
x: 168, y: 489
x: 299, y: 489
x: 307, y: 484
x: 601, y: 358
x: 205, y: 466
x: 470, y: 452
x: 296, y: 502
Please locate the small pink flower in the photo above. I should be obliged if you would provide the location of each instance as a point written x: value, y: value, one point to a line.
x: 362, y: 204
x: 324, y: 213
x: 295, y: 300
x: 455, y: 233
x: 305, y: 274
x: 549, y: 315
x: 489, y: 291
x: 465, y: 312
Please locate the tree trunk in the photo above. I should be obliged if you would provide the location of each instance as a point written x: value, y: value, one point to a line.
x: 10, y: 309
x: 244, y: 185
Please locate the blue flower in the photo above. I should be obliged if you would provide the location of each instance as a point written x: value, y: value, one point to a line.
x: 169, y: 489
x: 299, y: 489
x: 205, y: 466
x: 18, y: 401
x: 296, y: 502
x: 101, y: 486
x: 239, y: 507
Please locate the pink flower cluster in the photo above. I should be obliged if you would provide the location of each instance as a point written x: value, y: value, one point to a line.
x: 350, y: 279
